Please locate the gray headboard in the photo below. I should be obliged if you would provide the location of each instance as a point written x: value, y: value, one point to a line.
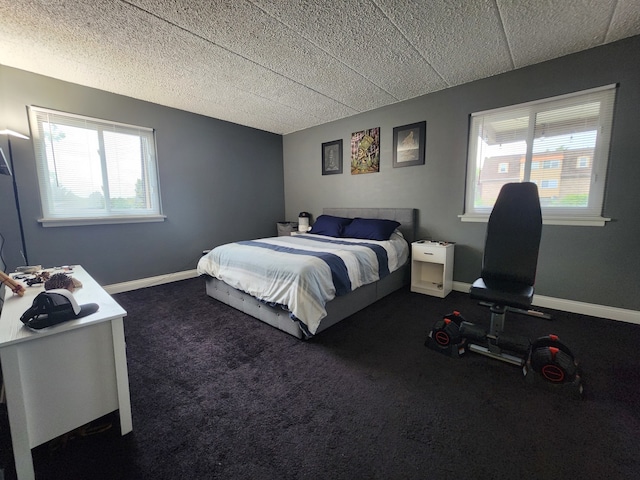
x: 406, y: 216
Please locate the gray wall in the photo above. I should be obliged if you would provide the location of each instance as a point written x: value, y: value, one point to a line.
x: 599, y: 265
x: 219, y: 182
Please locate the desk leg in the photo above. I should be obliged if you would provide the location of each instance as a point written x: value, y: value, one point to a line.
x: 122, y: 375
x: 17, y: 413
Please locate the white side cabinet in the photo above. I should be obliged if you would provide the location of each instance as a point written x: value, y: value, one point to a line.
x: 432, y: 268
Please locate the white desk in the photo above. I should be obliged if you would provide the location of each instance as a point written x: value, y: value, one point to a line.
x: 62, y: 377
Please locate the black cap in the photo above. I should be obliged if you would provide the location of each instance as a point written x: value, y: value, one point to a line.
x: 53, y: 307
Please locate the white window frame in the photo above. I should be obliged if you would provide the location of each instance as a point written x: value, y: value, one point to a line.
x: 588, y: 216
x: 53, y: 216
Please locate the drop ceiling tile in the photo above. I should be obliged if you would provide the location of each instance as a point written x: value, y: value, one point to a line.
x: 625, y: 21
x: 358, y: 32
x: 540, y: 30
x: 266, y: 41
x: 172, y: 52
x: 462, y: 41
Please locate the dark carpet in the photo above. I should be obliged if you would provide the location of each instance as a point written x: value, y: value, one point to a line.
x: 219, y: 395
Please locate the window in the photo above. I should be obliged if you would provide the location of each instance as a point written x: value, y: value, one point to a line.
x: 94, y: 171
x: 551, y: 164
x: 583, y: 162
x: 561, y: 144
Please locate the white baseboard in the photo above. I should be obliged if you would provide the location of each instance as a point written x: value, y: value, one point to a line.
x: 150, y: 281
x: 572, y: 306
x: 600, y: 311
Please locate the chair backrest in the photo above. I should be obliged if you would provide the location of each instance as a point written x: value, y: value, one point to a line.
x: 513, y: 235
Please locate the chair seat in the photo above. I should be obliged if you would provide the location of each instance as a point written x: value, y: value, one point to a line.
x: 503, y: 293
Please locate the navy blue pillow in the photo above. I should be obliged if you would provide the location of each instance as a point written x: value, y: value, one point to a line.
x: 329, y: 225
x: 370, y: 228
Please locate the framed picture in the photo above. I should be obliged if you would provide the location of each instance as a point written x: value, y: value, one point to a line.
x: 409, y: 144
x: 365, y: 151
x: 332, y: 157
x: 4, y: 165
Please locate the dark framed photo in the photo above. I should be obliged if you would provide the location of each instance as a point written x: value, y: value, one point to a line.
x: 332, y: 157
x: 409, y: 144
x: 4, y: 165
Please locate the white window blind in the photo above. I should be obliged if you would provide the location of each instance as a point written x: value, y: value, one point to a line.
x: 561, y: 144
x: 94, y: 171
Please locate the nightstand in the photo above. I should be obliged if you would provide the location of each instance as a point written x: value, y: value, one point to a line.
x: 432, y: 268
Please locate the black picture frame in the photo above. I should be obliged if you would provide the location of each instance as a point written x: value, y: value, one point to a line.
x: 332, y: 157
x: 5, y: 169
x: 409, y: 142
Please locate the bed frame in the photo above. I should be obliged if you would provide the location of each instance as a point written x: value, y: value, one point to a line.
x: 340, y: 307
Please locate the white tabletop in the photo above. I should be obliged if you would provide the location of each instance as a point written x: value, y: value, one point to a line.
x: 12, y: 330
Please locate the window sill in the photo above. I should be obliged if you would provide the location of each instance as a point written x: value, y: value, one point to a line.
x: 572, y: 221
x: 73, y: 222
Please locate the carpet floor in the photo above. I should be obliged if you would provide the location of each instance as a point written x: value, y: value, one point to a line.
x: 217, y: 394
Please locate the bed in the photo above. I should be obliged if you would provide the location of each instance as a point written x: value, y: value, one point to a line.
x: 295, y: 313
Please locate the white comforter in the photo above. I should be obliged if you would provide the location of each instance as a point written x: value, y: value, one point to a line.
x: 304, y: 272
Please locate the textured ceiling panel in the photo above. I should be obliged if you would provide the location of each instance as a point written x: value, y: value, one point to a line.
x: 147, y: 54
x: 287, y: 65
x: 539, y: 31
x: 463, y: 41
x: 626, y: 20
x: 359, y: 33
x: 266, y: 41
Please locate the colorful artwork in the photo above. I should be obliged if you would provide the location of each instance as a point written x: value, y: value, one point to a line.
x: 365, y: 151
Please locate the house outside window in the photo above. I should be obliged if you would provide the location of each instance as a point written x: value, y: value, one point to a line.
x: 93, y: 171
x: 544, y: 142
